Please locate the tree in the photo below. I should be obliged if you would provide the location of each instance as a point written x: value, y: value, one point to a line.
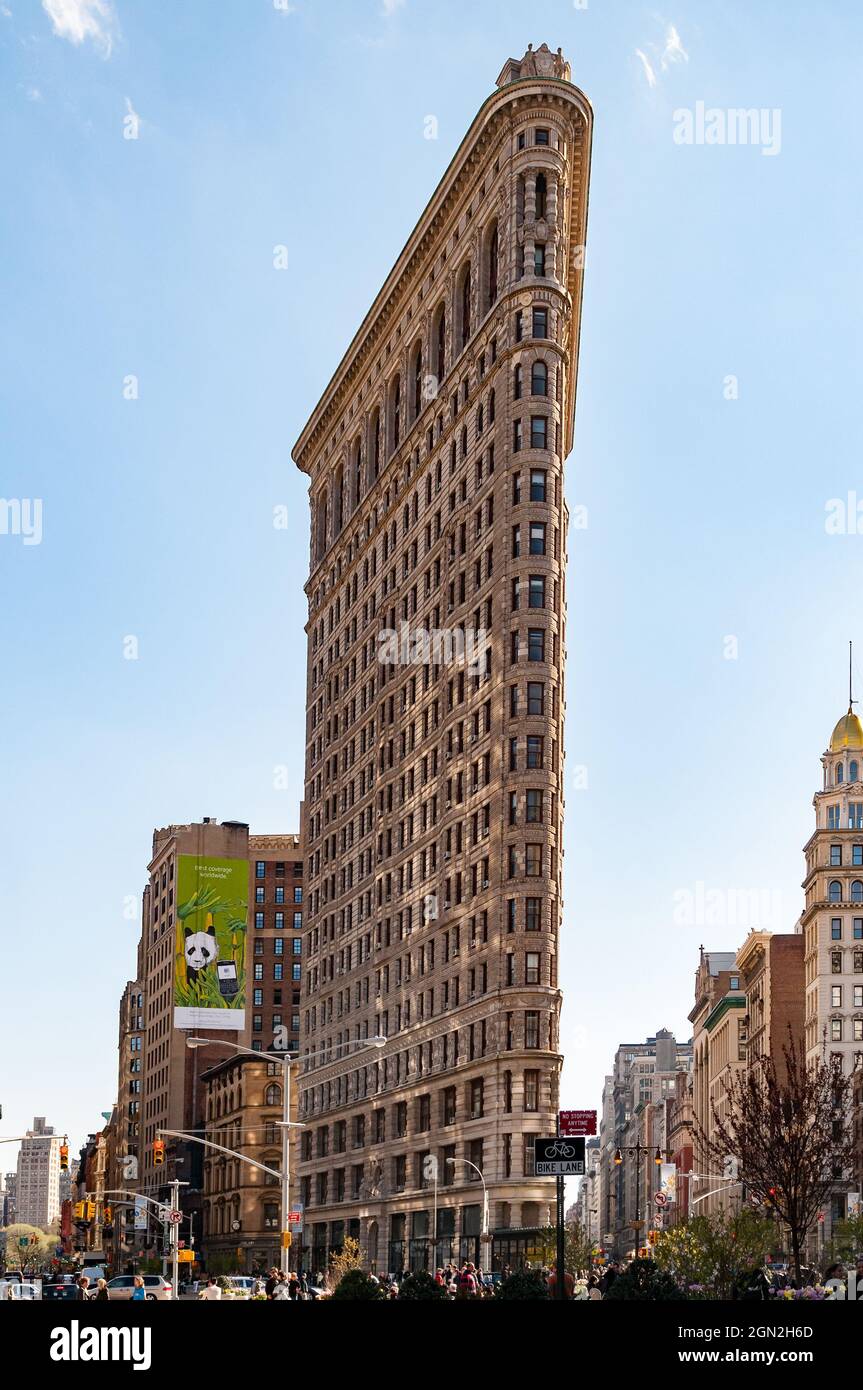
x: 32, y: 1257
x: 642, y: 1280
x: 714, y: 1251
x: 524, y: 1284
x: 847, y: 1239
x: 350, y: 1257
x: 789, y: 1131
x: 577, y: 1249
x: 421, y: 1286
x: 356, y: 1285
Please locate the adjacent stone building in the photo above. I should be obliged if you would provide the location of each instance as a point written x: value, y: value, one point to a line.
x: 832, y: 920
x: 435, y: 705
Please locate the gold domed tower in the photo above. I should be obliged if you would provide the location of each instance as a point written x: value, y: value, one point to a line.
x: 832, y: 920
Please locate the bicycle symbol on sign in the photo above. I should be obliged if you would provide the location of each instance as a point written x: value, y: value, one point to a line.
x: 560, y: 1149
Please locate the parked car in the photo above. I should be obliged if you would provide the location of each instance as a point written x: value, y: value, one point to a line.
x: 241, y: 1285
x: 19, y: 1290
x: 60, y: 1286
x: 155, y: 1287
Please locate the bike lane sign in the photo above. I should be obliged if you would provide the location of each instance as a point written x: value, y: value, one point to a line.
x: 558, y: 1158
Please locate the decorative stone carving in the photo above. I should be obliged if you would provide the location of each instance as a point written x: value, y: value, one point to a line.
x: 540, y: 62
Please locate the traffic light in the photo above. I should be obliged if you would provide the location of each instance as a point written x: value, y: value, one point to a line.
x: 158, y: 1151
x: 64, y: 1158
x: 91, y: 1209
x: 770, y: 1199
x: 106, y: 1215
x: 79, y: 1211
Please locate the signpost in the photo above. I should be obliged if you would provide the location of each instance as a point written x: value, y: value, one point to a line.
x: 558, y: 1158
x: 576, y: 1123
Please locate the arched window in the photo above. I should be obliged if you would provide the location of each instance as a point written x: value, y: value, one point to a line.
x: 397, y: 413
x: 835, y: 891
x: 539, y: 379
x: 465, y: 306
x: 840, y: 773
x: 339, y: 501
x: 440, y: 354
x: 273, y: 1094
x: 322, y: 525
x: 491, y: 407
x: 541, y: 195
x: 376, y: 444
x: 418, y: 380
x: 857, y: 891
x: 358, y: 473
x: 853, y: 772
x: 479, y: 419
x: 493, y: 253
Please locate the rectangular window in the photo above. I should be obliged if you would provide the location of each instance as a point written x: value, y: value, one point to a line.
x: 516, y: 436
x: 539, y: 258
x: 260, y: 868
x: 534, y: 750
x: 835, y: 855
x: 259, y: 921
x: 531, y: 1028
x: 531, y: 968
x: 259, y: 893
x: 533, y: 861
x: 531, y: 1091
x: 540, y: 323
x: 537, y: 538
x: 538, y: 431
x: 858, y: 929
x: 533, y: 807
x: 537, y: 485
x: 533, y: 914
x: 280, y: 892
x: 836, y: 997
x: 279, y: 921
x: 535, y: 697
x: 857, y: 855
x: 536, y: 644
x: 536, y: 591
x: 542, y: 137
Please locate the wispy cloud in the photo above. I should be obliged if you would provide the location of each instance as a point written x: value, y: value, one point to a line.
x: 648, y: 68
x: 390, y: 6
x: 79, y: 20
x: 673, y: 52
x: 662, y: 55
x: 33, y: 94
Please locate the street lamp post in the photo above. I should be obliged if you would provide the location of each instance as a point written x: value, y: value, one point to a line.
x: 287, y: 1060
x: 638, y: 1149
x: 479, y: 1173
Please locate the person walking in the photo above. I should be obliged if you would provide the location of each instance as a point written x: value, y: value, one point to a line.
x: 211, y: 1291
x: 83, y: 1289
x: 269, y: 1287
x: 101, y: 1293
x: 466, y: 1287
x: 138, y: 1291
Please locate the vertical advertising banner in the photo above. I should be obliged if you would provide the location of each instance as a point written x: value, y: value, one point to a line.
x: 210, y: 942
x: 668, y: 1182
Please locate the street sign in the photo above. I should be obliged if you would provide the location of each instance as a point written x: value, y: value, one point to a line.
x: 174, y: 1217
x: 558, y: 1158
x: 660, y: 1199
x: 295, y: 1217
x: 575, y: 1123
x: 186, y: 1257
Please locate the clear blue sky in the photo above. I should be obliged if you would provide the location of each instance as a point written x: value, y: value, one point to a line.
x: 154, y: 257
